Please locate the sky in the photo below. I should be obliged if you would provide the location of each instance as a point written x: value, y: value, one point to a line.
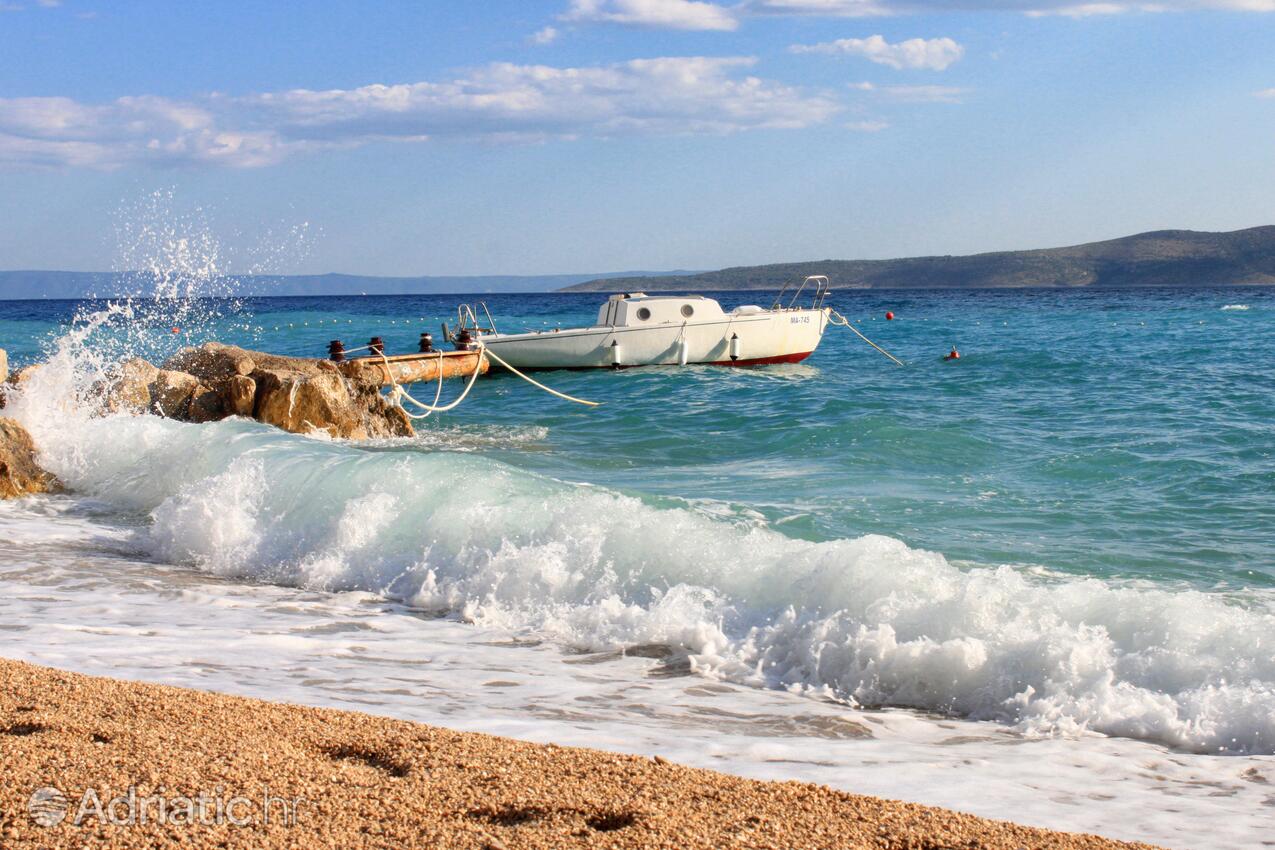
x: 565, y: 136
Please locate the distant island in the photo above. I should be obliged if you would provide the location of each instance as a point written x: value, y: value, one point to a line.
x: 16, y: 285
x: 1159, y: 258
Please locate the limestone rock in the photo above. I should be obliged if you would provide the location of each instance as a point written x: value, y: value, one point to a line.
x: 240, y: 396
x: 302, y: 403
x: 19, y: 472
x: 397, y: 422
x: 213, y: 381
x: 171, y: 392
x: 16, y: 380
x: 213, y: 362
x: 206, y: 405
x: 294, y: 393
x: 4, y: 366
x: 24, y: 374
x: 129, y: 387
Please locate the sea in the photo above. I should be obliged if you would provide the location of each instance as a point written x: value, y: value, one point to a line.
x: 1036, y: 583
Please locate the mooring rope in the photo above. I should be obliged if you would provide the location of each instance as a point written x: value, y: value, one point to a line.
x: 536, y: 383
x: 398, y: 393
x: 835, y: 318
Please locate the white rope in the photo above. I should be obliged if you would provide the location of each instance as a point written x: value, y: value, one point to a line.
x: 536, y: 383
x: 400, y: 393
x: 835, y: 318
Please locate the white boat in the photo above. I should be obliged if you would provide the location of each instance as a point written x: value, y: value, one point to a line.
x: 636, y: 329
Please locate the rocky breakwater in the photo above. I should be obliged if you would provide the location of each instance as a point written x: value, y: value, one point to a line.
x: 214, y: 381
x: 19, y: 472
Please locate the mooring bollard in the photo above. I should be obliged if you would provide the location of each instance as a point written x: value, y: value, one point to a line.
x: 336, y: 351
x: 427, y: 343
x: 376, y: 345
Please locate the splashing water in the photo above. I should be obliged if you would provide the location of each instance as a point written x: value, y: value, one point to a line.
x: 180, y: 293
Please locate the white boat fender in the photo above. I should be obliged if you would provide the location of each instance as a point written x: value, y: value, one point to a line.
x: 617, y: 354
x: 735, y: 347
x: 683, y: 351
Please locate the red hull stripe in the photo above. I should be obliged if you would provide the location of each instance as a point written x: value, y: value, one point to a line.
x: 765, y: 361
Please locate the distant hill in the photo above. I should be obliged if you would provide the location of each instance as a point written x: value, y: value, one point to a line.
x: 1161, y: 258
x: 55, y: 284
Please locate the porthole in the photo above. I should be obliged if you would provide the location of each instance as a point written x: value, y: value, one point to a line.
x: 643, y: 313
x: 688, y: 310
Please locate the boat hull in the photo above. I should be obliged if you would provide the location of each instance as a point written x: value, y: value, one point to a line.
x: 782, y: 336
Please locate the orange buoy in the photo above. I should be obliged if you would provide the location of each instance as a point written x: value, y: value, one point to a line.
x: 177, y: 330
x: 889, y: 316
x: 953, y: 354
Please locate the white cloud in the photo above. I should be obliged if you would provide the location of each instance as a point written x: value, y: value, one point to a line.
x: 1265, y: 93
x: 18, y: 7
x: 823, y: 8
x: 934, y: 54
x: 915, y: 94
x: 1085, y: 10
x: 499, y: 102
x: 703, y: 15
x: 548, y: 35
x: 875, y: 8
x: 658, y: 14
x: 1081, y: 10
x: 868, y: 126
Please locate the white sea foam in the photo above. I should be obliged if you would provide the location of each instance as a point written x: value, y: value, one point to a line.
x: 1235, y: 307
x: 868, y: 620
x: 71, y: 596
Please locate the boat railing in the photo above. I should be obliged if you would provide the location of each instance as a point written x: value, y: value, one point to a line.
x: 467, y: 318
x: 822, y: 288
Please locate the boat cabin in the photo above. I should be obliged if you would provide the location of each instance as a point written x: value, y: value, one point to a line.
x: 635, y: 309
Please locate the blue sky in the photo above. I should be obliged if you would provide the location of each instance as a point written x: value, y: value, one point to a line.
x: 595, y: 135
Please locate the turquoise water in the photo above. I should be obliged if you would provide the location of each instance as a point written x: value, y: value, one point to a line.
x: 1119, y: 434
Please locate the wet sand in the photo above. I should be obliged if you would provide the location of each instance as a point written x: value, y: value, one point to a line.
x: 142, y: 765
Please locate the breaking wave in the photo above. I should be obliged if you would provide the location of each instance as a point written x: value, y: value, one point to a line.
x: 868, y: 620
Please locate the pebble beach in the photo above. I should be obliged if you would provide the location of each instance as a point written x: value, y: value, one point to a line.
x: 142, y: 765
